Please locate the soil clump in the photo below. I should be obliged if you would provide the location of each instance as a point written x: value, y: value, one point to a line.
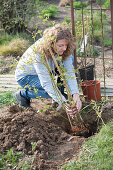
x: 54, y: 145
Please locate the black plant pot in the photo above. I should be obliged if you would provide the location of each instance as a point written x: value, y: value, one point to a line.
x: 87, y: 73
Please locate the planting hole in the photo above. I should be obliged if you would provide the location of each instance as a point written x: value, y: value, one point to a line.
x: 86, y: 128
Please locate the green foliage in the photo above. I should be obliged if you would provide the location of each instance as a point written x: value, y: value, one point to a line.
x: 67, y: 20
x: 49, y: 12
x: 33, y: 145
x: 2, y: 63
x: 15, y: 14
x: 89, y: 52
x: 107, y: 4
x: 13, y: 160
x: 97, y: 26
x: 79, y: 4
x: 97, y: 36
x: 104, y: 3
x: 98, y: 109
x: 97, y: 20
x: 10, y: 159
x: 88, y: 27
x: 16, y: 47
x: 97, y: 153
x: 6, y: 98
x: 100, y: 2
x: 5, y: 38
x: 79, y: 32
x: 107, y: 42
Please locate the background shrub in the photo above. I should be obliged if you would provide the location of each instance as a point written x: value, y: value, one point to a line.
x: 79, y: 4
x: 14, y: 14
x: 49, y: 12
x: 107, y: 4
x: 100, y: 2
x: 15, y: 48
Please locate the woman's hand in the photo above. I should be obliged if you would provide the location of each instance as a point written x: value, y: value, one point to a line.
x: 76, y: 102
x: 75, y: 108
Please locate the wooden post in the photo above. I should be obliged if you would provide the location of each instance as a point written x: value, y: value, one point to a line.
x: 111, y: 4
x: 73, y: 32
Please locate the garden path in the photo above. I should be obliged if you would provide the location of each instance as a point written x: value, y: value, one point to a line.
x: 8, y: 83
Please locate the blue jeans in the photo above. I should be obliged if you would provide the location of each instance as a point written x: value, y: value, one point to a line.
x: 32, y: 87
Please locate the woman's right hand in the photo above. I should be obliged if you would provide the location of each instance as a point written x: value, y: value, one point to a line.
x: 70, y: 110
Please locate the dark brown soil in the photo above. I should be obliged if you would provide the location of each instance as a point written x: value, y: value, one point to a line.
x: 55, y: 142
x: 50, y: 131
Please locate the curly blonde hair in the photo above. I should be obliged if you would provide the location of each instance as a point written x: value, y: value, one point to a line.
x: 52, y: 35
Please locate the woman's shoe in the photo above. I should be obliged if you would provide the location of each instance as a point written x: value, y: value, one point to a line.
x: 22, y: 101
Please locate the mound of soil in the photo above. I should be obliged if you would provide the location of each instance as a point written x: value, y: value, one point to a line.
x: 50, y: 132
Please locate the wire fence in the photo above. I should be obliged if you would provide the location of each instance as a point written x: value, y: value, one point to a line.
x: 92, y: 28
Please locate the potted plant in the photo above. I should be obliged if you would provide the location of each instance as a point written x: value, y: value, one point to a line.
x: 87, y: 73
x: 90, y: 87
x: 87, y: 70
x: 91, y: 90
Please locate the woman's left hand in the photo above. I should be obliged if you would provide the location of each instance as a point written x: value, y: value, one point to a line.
x: 77, y: 104
x: 75, y: 107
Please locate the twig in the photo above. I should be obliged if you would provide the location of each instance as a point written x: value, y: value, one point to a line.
x: 66, y: 86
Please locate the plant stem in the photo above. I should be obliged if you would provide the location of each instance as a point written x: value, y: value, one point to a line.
x: 66, y: 86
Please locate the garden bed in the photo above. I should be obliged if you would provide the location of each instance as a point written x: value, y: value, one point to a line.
x: 48, y: 131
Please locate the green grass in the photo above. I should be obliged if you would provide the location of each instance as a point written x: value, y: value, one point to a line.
x: 97, y: 153
x: 9, y: 158
x: 13, y: 160
x: 7, y: 98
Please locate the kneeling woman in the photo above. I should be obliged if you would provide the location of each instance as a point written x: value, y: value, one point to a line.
x: 34, y: 76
